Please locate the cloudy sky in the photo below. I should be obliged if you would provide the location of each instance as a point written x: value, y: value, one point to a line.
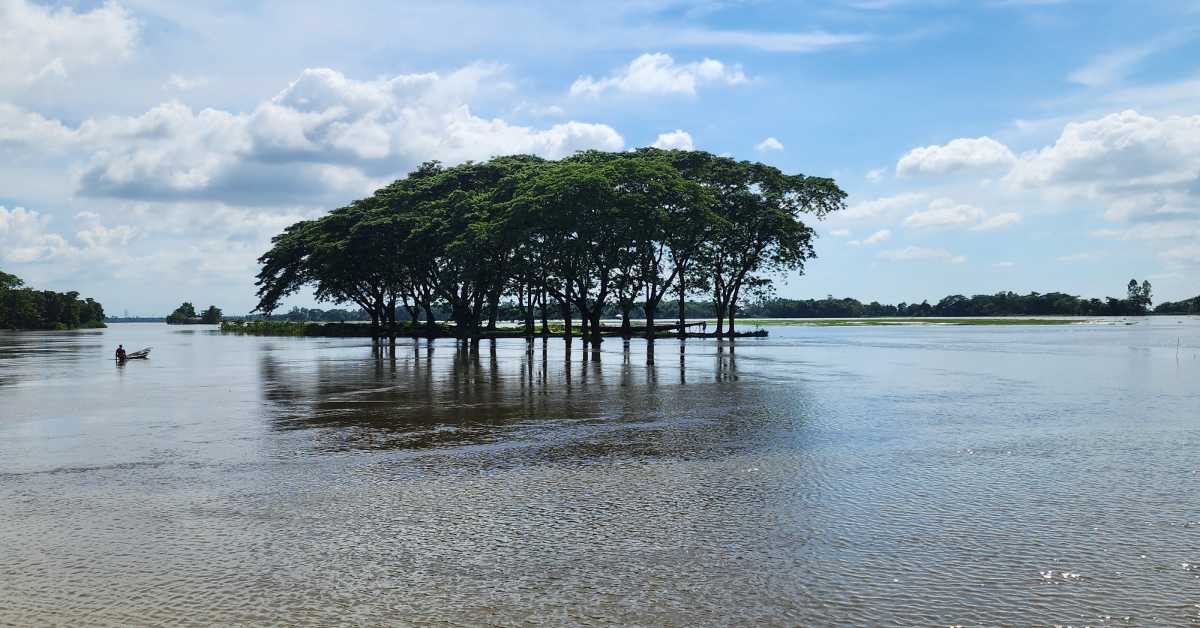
x: 149, y: 149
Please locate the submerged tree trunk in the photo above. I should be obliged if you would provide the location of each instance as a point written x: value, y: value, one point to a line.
x: 428, y: 316
x: 545, y: 319
x: 626, y: 326
x: 682, y: 303
x: 595, y: 324
x: 566, y: 314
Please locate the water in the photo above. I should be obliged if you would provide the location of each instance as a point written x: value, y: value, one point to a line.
x: 880, y: 475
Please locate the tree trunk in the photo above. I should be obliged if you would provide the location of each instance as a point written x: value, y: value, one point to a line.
x: 391, y: 320
x: 428, y: 316
x: 566, y: 314
x: 595, y: 323
x: 529, y: 300
x: 682, y: 304
x: 650, y: 308
x: 626, y: 326
x: 545, y: 320
x: 492, y: 306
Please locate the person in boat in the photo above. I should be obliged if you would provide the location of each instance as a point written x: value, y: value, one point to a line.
x: 120, y: 352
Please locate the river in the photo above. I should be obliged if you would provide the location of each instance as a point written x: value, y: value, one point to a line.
x: 916, y: 475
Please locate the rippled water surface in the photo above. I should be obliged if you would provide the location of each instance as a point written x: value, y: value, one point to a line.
x: 881, y: 475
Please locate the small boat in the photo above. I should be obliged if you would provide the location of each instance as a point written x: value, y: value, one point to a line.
x: 137, y: 355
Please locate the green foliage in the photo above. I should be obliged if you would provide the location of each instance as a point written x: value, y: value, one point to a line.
x: 212, y: 315
x: 587, y: 232
x: 1186, y: 306
x: 26, y: 308
x: 184, y: 314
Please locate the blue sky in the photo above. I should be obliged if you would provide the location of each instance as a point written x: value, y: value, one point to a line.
x: 150, y: 149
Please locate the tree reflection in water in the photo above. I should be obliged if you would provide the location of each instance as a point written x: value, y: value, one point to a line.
x: 432, y: 394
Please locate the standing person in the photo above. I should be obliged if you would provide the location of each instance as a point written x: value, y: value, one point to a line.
x: 704, y: 327
x: 121, y: 352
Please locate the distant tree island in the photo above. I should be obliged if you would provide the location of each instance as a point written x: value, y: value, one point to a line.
x: 24, y: 308
x: 571, y: 237
x: 185, y: 314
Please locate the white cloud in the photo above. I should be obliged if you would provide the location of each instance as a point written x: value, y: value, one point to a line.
x: 999, y: 221
x: 979, y: 153
x: 881, y: 207
x: 659, y: 74
x: 768, y: 41
x: 1138, y: 169
x: 324, y: 137
x: 25, y: 237
x: 876, y: 175
x: 945, y: 213
x: 184, y: 83
x: 1003, y: 264
x: 883, y: 235
x: 1121, y: 150
x: 41, y: 42
x: 840, y: 233
x: 768, y: 144
x: 917, y: 253
x: 25, y: 128
x: 677, y: 139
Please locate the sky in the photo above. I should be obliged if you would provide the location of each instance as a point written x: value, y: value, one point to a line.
x: 149, y: 149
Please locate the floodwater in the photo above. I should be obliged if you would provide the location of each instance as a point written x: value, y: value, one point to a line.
x: 919, y: 475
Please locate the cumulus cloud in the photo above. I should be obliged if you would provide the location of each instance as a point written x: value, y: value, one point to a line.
x: 26, y: 237
x: 184, y: 83
x: 654, y: 74
x: 839, y: 233
x: 917, y: 253
x: 882, y: 207
x: 883, y: 235
x: 999, y: 221
x: 1141, y: 170
x: 324, y: 136
x: 768, y: 144
x: 875, y: 175
x: 1123, y: 150
x: 42, y: 42
x: 945, y: 213
x: 677, y: 139
x: 979, y: 153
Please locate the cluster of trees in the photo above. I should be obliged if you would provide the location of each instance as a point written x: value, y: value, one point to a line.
x: 573, y: 236
x: 25, y: 308
x: 185, y: 314
x: 1186, y: 306
x: 1136, y: 303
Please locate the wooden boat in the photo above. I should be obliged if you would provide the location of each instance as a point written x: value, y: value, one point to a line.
x: 137, y: 355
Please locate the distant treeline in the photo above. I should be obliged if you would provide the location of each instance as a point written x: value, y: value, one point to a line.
x: 26, y: 308
x: 1136, y: 303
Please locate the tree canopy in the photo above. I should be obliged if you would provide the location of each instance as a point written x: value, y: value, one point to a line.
x: 575, y: 235
x: 27, y: 308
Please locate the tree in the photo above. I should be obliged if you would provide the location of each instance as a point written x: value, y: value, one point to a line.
x: 26, y: 308
x: 212, y: 315
x: 758, y: 232
x: 182, y: 314
x: 1139, y: 296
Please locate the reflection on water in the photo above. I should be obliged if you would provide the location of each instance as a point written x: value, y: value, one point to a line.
x: 823, y: 476
x: 425, y: 394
